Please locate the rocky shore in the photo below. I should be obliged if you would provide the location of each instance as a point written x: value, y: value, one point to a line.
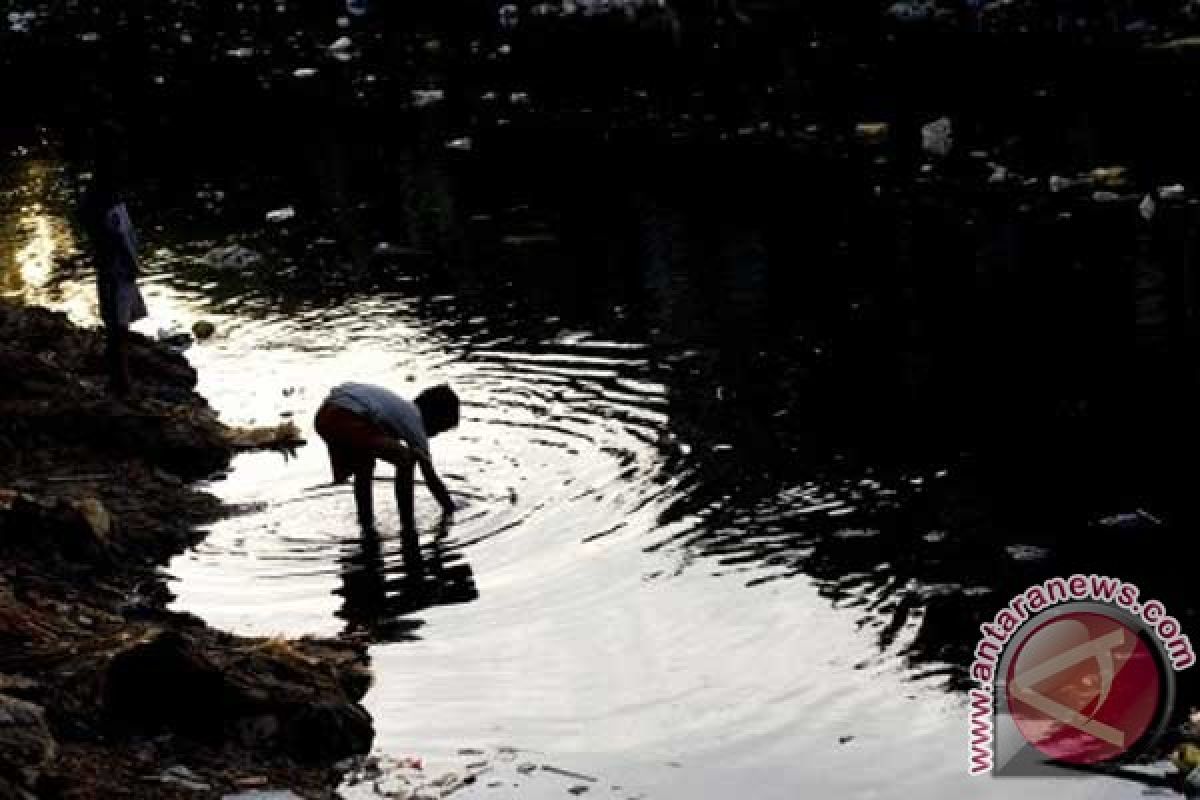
x: 105, y: 693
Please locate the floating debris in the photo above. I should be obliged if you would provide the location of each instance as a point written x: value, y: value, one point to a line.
x: 281, y: 214
x: 232, y: 256
x: 427, y: 97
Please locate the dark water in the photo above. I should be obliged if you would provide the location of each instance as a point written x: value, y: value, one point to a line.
x: 760, y: 420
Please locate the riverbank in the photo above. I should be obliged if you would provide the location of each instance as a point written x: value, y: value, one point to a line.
x: 103, y: 692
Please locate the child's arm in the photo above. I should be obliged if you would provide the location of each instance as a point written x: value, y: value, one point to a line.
x: 436, y: 487
x: 404, y: 498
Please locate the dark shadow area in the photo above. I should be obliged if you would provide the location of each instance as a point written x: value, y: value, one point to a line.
x: 382, y: 588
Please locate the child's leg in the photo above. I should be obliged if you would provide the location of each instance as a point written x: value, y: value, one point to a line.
x: 364, y: 478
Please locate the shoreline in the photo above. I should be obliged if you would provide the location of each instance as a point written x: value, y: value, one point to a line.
x: 105, y: 692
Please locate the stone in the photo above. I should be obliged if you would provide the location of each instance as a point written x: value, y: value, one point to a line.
x: 26, y: 745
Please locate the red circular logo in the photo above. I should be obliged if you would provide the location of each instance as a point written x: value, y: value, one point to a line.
x: 1084, y: 687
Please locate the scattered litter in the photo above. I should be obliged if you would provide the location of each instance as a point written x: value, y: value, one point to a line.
x: 232, y: 256
x: 1173, y: 192
x: 184, y: 778
x: 1147, y: 207
x: 1059, y: 184
x: 577, y: 790
x: 426, y: 97
x: 846, y: 739
x: 281, y: 214
x: 526, y: 768
x: 1129, y: 519
x: 871, y: 132
x: 304, y: 72
x: 251, y: 782
x: 464, y: 143
x: 470, y: 751
x: 999, y: 173
x: 343, y: 43
x: 1026, y: 552
x: 240, y: 52
x: 567, y: 773
x: 938, y: 137
x: 1111, y: 177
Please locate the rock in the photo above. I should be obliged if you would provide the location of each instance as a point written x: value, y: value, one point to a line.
x: 26, y: 746
x: 327, y: 732
x: 164, y: 682
x: 203, y: 329
x: 77, y: 529
x: 271, y: 695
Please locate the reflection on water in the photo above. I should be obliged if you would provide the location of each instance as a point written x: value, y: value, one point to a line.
x: 378, y: 593
x: 676, y: 564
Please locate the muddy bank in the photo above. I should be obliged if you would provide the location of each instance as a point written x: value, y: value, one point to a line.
x: 104, y: 693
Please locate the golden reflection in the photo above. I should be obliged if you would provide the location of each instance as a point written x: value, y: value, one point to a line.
x: 35, y: 242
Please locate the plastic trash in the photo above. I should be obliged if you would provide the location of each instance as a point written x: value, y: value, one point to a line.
x: 871, y: 132
x: 1147, y: 207
x: 303, y: 72
x: 1173, y: 192
x: 1104, y: 196
x: 1129, y: 519
x: 357, y: 7
x: 343, y: 43
x: 232, y: 256
x: 426, y: 97
x: 1111, y: 177
x: 999, y: 173
x: 937, y: 137
x: 464, y: 144
x: 184, y: 778
x: 281, y: 214
x: 1059, y: 184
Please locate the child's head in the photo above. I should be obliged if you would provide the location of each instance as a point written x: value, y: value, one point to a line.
x: 439, y: 409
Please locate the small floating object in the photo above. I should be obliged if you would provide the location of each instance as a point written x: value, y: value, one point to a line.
x: 1105, y: 197
x: 567, y: 773
x: 1147, y: 207
x: 303, y: 72
x: 232, y: 256
x: 1058, y: 183
x: 1109, y: 176
x: 1173, y: 192
x: 464, y: 144
x: 1129, y: 519
x: 427, y: 97
x: 870, y: 132
x: 203, y: 329
x: 281, y: 214
x: 343, y: 43
x: 938, y: 137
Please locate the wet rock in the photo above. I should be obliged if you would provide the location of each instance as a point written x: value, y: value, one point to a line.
x: 78, y: 529
x: 268, y: 695
x: 26, y: 745
x: 203, y: 329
